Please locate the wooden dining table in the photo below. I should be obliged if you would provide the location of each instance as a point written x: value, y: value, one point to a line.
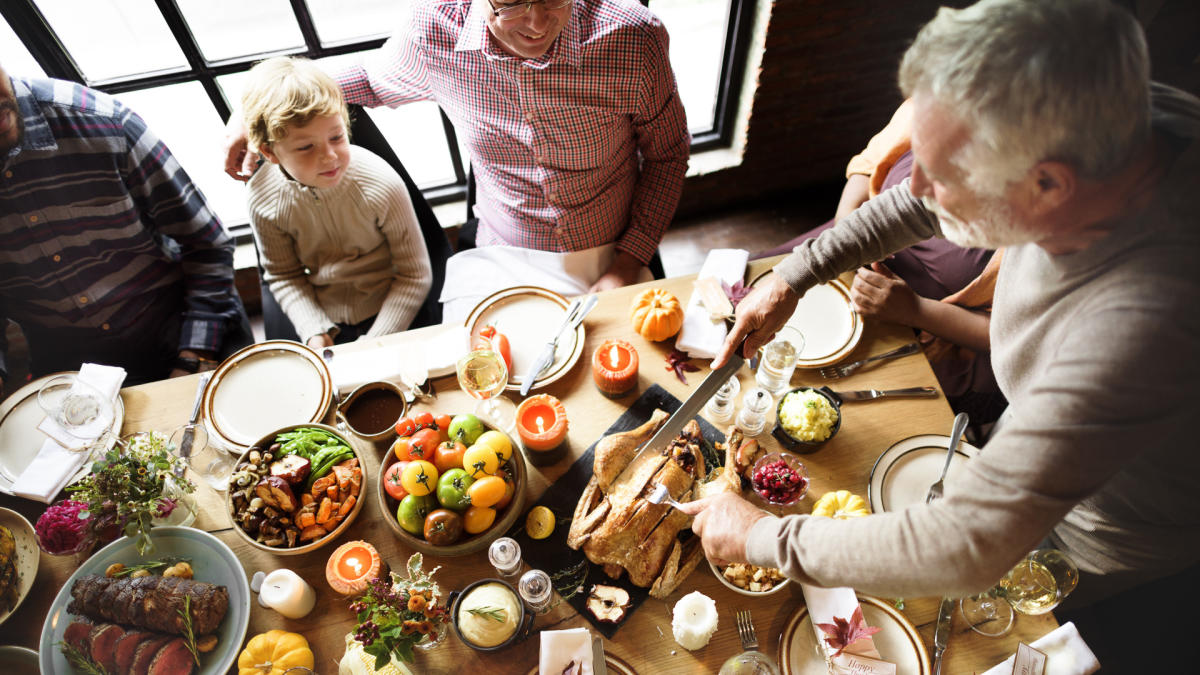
x: 644, y: 642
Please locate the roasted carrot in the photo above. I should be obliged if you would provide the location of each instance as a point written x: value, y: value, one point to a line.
x: 324, y: 510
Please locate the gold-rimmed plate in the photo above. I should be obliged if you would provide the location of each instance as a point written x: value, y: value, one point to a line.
x: 898, y: 641
x: 903, y: 473
x: 27, y: 556
x: 20, y: 440
x: 615, y: 665
x: 831, y: 327
x: 527, y: 316
x: 264, y: 387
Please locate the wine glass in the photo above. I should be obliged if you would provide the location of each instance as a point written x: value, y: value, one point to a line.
x: 483, y: 375
x: 77, y: 407
x: 1035, y: 585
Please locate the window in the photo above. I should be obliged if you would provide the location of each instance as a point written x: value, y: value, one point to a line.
x: 180, y: 64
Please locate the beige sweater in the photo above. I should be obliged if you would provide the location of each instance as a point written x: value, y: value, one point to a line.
x: 341, y: 255
x: 1097, y: 351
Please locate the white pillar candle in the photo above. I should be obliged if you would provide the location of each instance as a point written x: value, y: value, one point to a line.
x: 285, y: 592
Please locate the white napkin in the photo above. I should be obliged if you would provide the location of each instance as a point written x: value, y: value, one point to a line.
x: 1066, y: 654
x: 435, y: 354
x: 55, y: 463
x: 826, y: 603
x: 700, y: 336
x: 560, y: 647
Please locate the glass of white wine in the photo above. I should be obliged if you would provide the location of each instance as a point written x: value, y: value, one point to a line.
x: 1035, y: 585
x: 483, y: 375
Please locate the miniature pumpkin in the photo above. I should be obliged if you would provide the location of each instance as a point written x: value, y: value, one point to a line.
x: 841, y: 504
x: 273, y: 652
x: 656, y: 314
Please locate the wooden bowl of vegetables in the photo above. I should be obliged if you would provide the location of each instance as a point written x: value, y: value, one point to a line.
x: 296, y: 489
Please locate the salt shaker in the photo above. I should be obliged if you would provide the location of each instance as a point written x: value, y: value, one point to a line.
x: 536, y: 590
x: 505, y: 556
x: 721, y: 406
x: 755, y: 405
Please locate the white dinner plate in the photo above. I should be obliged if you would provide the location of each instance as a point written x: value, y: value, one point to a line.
x: 264, y: 387
x: 829, y: 324
x: 528, y: 316
x: 20, y: 439
x: 898, y: 642
x: 903, y: 473
x: 211, y: 561
x: 28, y: 555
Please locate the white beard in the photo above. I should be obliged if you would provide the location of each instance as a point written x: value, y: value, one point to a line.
x: 996, y: 229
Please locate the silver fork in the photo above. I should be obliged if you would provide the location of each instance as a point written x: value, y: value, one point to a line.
x: 835, y: 372
x: 745, y: 626
x: 660, y: 495
x: 960, y: 425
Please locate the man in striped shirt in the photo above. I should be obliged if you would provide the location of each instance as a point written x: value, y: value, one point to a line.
x: 569, y: 110
x: 110, y: 253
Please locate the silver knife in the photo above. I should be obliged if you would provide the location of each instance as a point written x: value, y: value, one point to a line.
x: 189, y: 430
x: 941, y: 634
x: 872, y: 394
x: 577, y: 310
x: 599, y: 667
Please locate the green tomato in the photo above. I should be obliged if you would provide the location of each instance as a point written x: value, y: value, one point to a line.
x: 466, y: 428
x: 412, y: 511
x: 452, y: 489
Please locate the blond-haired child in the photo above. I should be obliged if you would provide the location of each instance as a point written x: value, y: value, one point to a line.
x: 338, y: 240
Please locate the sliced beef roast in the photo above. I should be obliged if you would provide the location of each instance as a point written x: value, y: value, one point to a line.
x: 76, y: 635
x: 126, y: 648
x: 145, y: 653
x: 173, y: 658
x: 102, y: 642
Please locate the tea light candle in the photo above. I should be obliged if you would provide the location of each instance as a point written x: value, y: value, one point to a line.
x: 615, y: 368
x: 542, y: 426
x: 352, y: 566
x: 285, y: 592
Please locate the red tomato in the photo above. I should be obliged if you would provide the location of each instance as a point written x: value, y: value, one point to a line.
x: 490, y: 338
x: 443, y: 422
x: 423, y: 444
x: 391, y: 481
x: 449, y: 455
x: 405, y: 427
x: 423, y: 420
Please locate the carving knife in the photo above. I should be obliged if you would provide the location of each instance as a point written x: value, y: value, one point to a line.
x: 941, y: 634
x: 578, y: 309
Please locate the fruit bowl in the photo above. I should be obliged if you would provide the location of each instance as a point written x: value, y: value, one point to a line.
x: 390, y: 506
x: 248, y: 474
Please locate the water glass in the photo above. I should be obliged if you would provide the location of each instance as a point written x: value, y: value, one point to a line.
x: 751, y: 662
x: 76, y: 406
x: 211, y: 463
x: 505, y: 556
x: 778, y: 359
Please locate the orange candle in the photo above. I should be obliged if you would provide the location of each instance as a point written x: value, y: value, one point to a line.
x: 352, y: 566
x: 542, y: 426
x: 615, y: 368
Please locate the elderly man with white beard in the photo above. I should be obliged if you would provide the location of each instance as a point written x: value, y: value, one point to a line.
x: 1036, y: 128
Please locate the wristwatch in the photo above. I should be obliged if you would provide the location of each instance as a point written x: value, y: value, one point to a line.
x: 194, y: 364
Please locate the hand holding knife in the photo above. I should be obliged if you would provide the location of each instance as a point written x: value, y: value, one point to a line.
x: 576, y: 311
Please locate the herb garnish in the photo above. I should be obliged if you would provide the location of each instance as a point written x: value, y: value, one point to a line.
x: 153, y: 567
x: 496, y: 614
x: 189, y: 635
x: 80, y: 661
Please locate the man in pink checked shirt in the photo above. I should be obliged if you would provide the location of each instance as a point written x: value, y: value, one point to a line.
x: 569, y: 109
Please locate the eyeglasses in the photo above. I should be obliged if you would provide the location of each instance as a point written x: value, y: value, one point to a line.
x: 517, y: 10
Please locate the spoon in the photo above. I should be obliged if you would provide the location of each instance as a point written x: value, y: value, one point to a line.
x: 660, y: 495
x: 960, y: 425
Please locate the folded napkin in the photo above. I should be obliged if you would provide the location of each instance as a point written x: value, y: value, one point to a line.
x: 560, y: 647
x: 1066, y: 654
x: 826, y: 603
x: 410, y: 361
x: 701, y: 336
x: 55, y: 464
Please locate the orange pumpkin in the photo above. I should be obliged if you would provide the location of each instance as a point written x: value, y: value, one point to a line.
x: 656, y: 314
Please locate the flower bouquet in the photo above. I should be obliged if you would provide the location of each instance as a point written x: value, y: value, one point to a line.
x: 397, y: 614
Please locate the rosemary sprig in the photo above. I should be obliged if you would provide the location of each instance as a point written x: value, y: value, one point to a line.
x: 496, y: 614
x: 189, y: 635
x: 154, y: 566
x: 569, y: 581
x: 80, y: 661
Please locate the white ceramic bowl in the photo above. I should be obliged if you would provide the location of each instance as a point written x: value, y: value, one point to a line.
x: 738, y: 589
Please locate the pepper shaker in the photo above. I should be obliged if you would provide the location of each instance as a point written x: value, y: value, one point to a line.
x: 505, y: 556
x: 755, y: 405
x: 536, y: 590
x: 721, y: 406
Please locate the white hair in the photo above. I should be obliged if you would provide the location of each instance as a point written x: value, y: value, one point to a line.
x: 1035, y: 80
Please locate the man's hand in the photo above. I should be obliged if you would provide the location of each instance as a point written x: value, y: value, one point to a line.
x: 759, y: 316
x: 880, y: 294
x: 723, y: 522
x: 319, y: 342
x: 192, y: 354
x: 239, y: 163
x: 623, y: 271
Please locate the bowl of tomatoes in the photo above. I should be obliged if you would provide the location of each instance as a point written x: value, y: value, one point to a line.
x: 451, y: 484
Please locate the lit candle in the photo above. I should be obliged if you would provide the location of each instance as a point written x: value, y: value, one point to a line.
x: 615, y: 368
x: 352, y: 566
x: 542, y: 427
x: 285, y: 592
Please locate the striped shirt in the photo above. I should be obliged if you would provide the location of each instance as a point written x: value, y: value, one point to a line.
x: 583, y: 146
x: 101, y: 225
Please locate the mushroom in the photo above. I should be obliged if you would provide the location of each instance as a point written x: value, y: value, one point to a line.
x: 608, y: 603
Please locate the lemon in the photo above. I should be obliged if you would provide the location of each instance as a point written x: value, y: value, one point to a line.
x: 539, y: 523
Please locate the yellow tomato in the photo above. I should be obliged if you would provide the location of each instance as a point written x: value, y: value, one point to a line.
x: 487, y: 491
x: 539, y: 523
x: 480, y: 461
x: 841, y: 504
x: 419, y: 478
x: 499, y: 444
x: 476, y: 519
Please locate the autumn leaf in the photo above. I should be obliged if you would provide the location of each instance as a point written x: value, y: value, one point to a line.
x: 678, y: 362
x: 842, y: 633
x: 736, y: 292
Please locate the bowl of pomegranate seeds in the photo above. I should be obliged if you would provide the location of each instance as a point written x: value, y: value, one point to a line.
x: 779, y: 478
